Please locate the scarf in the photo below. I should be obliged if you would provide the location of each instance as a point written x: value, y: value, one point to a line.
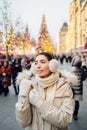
x: 47, y: 86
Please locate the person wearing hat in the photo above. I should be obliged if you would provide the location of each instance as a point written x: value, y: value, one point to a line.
x: 45, y: 100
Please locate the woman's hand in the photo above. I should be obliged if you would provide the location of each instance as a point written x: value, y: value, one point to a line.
x: 35, y: 98
x: 24, y: 87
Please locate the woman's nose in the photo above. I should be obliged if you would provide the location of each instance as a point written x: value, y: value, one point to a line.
x: 38, y: 65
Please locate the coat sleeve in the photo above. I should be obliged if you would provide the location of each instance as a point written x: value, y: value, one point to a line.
x: 23, y: 111
x: 59, y: 116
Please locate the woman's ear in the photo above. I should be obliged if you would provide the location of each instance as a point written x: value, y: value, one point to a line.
x: 53, y: 65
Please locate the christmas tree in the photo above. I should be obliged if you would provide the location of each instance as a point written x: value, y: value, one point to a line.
x: 44, y: 41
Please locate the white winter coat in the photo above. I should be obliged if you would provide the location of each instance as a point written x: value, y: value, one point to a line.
x: 55, y: 114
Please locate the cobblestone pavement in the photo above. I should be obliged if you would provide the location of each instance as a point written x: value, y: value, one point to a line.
x: 7, y: 110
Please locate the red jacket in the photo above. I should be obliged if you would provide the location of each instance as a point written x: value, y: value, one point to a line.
x: 7, y: 71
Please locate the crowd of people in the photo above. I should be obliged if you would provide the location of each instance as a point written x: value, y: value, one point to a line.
x: 9, y: 70
x: 18, y: 64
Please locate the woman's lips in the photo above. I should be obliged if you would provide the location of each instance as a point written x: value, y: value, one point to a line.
x: 39, y: 71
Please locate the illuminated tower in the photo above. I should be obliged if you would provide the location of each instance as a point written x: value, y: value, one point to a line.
x: 44, y: 41
x: 43, y: 28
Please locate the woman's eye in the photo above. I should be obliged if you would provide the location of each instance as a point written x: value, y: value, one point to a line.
x: 35, y: 63
x: 42, y: 62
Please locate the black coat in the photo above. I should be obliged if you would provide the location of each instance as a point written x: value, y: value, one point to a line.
x: 16, y: 68
x: 78, y: 89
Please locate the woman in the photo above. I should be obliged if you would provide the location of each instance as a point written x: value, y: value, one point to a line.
x: 45, y: 100
x: 6, y: 76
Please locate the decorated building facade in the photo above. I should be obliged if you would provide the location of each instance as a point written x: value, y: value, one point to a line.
x: 62, y: 34
x: 77, y: 26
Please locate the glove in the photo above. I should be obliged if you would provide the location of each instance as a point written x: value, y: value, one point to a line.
x: 24, y: 87
x: 35, y: 98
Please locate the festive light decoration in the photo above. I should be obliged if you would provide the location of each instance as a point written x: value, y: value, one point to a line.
x: 44, y: 41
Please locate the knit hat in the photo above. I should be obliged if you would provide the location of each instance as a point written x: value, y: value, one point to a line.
x: 76, y: 61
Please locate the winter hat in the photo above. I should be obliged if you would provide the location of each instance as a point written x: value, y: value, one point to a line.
x: 76, y: 61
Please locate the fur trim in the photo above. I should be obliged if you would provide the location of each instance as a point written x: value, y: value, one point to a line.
x: 25, y: 74
x: 70, y: 78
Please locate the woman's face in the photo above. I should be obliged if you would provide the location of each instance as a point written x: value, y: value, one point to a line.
x: 42, y: 66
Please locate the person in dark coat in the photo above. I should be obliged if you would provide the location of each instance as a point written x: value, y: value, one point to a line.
x: 78, y: 89
x: 16, y: 68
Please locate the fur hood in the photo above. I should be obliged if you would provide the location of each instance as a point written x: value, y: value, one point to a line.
x: 25, y: 74
x: 70, y: 78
